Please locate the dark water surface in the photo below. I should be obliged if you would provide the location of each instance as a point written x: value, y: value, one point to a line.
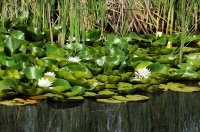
x: 165, y: 112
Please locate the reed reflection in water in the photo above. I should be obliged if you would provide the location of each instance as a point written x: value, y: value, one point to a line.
x: 167, y: 112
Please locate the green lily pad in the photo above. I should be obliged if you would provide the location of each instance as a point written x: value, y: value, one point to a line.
x: 160, y: 42
x: 171, y: 85
x: 75, y: 91
x: 111, y: 100
x: 96, y: 86
x: 17, y: 34
x: 105, y: 94
x: 174, y: 38
x: 126, y: 88
x: 161, y: 50
x: 108, y: 79
x: 79, y: 71
x: 55, y: 57
x: 35, y: 33
x: 159, y: 68
x: 145, y: 38
x: 111, y: 86
x: 60, y: 98
x: 131, y: 98
x: 36, y: 51
x: 9, y: 62
x: 126, y: 76
x: 78, y: 90
x: 60, y: 89
x: 169, y: 59
x: 113, y: 60
x: 54, y: 49
x: 12, y: 73
x: 185, y: 89
x: 13, y: 44
x: 3, y: 30
x: 7, y: 83
x: 89, y: 54
x: 32, y: 72
x: 75, y: 99
x: 61, y: 82
x: 6, y: 93
x: 75, y: 47
x: 89, y: 94
x: 149, y: 87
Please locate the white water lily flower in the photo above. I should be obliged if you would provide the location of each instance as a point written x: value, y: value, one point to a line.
x: 51, y: 88
x: 44, y: 82
x: 159, y: 34
x: 73, y: 38
x: 116, y: 40
x: 142, y: 73
x: 74, y: 59
x: 50, y: 74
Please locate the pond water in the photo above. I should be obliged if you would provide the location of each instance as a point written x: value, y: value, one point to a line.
x: 163, y: 112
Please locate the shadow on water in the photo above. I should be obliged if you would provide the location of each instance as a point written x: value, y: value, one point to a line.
x: 166, y: 112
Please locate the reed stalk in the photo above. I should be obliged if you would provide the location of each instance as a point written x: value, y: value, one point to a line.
x: 118, y: 16
x: 3, y: 14
x: 64, y: 5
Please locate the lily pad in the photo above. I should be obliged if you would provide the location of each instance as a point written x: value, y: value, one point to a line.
x: 89, y: 94
x: 32, y: 72
x: 185, y: 89
x: 35, y: 33
x: 111, y: 100
x: 126, y: 88
x: 131, y: 98
x: 79, y: 71
x: 13, y: 44
x: 105, y: 94
x: 96, y: 86
x: 108, y: 79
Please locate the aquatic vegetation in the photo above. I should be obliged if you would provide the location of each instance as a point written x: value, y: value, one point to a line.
x: 142, y: 73
x: 44, y: 83
x: 74, y: 59
x: 111, y: 71
x: 159, y: 34
x: 50, y: 74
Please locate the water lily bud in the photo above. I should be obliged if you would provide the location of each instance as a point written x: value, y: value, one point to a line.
x: 169, y: 45
x: 159, y: 34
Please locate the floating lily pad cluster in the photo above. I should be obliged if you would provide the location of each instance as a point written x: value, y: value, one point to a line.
x: 109, y: 71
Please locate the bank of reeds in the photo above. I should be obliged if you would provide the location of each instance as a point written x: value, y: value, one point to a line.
x: 117, y: 16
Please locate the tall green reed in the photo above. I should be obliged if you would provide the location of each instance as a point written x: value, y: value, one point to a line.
x: 3, y: 12
x: 186, y: 13
x: 64, y: 5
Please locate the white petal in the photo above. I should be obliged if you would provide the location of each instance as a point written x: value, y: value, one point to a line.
x: 50, y: 74
x: 44, y: 83
x: 158, y: 34
x: 74, y: 59
x: 142, y: 73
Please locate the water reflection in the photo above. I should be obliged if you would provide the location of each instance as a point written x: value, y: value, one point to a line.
x: 168, y: 112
